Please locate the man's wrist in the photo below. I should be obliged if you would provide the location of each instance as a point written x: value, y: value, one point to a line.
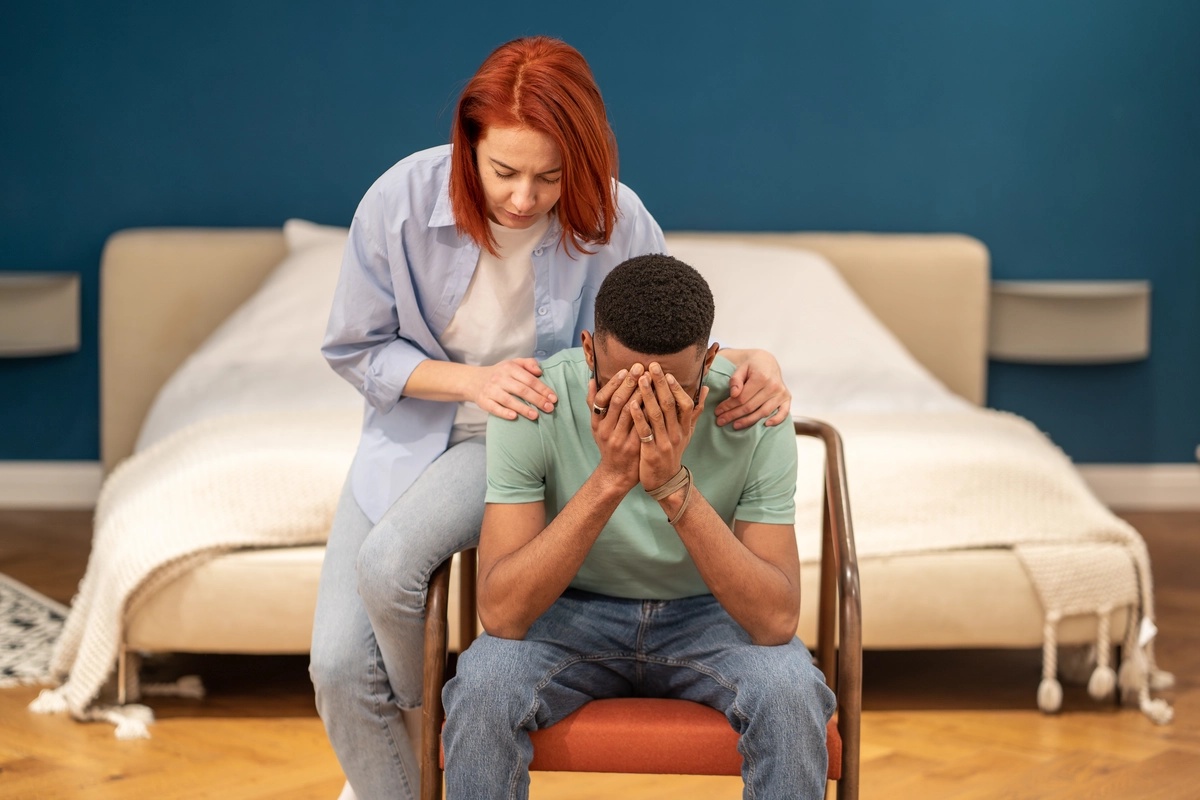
x: 611, y: 485
x: 674, y: 495
x: 670, y: 485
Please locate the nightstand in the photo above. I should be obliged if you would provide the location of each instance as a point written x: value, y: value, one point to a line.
x: 1070, y: 322
x: 39, y: 313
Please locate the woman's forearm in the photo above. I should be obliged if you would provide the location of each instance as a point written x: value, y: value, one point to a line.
x: 441, y: 380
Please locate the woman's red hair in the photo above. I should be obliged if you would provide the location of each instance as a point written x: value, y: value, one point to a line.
x: 545, y: 85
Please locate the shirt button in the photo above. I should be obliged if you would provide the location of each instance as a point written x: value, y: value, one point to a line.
x: 542, y: 311
x: 537, y: 252
x: 540, y: 354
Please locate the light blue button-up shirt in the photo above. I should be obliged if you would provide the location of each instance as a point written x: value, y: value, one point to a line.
x: 404, y: 273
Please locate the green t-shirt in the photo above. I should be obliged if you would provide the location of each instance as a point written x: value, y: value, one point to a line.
x: 748, y: 475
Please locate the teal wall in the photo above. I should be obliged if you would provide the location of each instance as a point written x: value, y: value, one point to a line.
x: 1063, y: 134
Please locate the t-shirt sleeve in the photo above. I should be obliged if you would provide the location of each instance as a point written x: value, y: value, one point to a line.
x: 516, y: 461
x: 770, y: 492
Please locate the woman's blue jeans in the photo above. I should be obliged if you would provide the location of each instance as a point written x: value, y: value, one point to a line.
x: 588, y: 646
x: 368, y: 631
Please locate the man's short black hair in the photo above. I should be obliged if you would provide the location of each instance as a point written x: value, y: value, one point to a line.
x: 655, y: 304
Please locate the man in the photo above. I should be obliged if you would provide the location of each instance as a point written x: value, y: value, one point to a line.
x: 630, y: 547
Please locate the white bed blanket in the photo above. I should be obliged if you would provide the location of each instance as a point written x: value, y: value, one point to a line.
x: 217, y: 485
x: 977, y: 478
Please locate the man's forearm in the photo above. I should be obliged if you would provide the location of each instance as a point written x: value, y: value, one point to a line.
x: 754, y: 591
x: 520, y: 586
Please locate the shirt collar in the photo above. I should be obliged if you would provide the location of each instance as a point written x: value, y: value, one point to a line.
x: 443, y: 213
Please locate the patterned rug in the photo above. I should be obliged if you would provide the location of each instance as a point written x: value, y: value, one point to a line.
x: 29, y: 625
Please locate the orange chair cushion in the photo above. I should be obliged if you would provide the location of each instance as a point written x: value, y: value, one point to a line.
x: 650, y: 735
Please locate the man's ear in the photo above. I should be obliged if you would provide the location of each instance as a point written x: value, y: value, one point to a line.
x: 588, y: 343
x: 713, y: 349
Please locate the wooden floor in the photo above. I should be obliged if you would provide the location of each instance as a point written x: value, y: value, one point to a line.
x: 936, y: 725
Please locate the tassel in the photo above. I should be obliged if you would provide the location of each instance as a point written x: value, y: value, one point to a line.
x: 1103, y: 679
x: 1158, y: 710
x: 129, y: 729
x: 131, y: 720
x: 1139, y: 674
x: 49, y: 701
x: 1050, y: 693
x: 1102, y: 683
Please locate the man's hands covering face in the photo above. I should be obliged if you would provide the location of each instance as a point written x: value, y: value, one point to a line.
x: 648, y: 424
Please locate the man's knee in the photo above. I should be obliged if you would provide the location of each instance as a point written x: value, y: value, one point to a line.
x: 491, y: 678
x: 787, y: 678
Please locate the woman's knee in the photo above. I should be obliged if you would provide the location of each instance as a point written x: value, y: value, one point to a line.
x: 332, y: 669
x: 392, y: 572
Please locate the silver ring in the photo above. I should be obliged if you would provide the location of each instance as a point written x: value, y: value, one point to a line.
x: 599, y: 410
x: 647, y: 439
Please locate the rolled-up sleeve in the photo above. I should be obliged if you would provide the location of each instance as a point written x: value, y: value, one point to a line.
x: 362, y: 341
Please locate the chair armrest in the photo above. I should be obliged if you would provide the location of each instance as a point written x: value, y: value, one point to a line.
x: 840, y: 589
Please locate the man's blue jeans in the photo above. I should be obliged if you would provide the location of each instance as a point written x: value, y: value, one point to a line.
x: 588, y: 646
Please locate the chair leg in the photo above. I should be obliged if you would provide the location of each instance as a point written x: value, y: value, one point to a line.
x: 434, y: 674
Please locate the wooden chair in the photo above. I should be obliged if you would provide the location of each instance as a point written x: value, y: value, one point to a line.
x: 644, y: 735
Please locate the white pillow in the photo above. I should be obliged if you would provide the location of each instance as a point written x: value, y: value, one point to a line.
x: 300, y: 234
x: 835, y: 354
x: 265, y: 356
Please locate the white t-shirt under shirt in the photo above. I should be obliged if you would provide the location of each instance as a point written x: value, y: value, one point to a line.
x: 494, y: 322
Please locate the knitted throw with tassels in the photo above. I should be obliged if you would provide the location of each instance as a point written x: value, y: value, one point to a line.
x: 976, y: 478
x: 219, y: 484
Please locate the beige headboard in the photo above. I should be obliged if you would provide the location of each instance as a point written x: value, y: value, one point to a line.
x: 164, y: 290
x: 931, y: 290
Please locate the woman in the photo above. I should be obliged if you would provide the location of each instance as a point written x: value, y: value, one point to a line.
x: 465, y: 264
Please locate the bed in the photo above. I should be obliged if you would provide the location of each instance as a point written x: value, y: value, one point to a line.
x: 212, y: 381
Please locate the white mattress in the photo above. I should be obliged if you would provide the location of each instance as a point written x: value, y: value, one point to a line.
x: 835, y: 355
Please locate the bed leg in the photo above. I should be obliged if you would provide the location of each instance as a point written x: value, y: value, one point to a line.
x: 122, y: 665
x: 129, y: 663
